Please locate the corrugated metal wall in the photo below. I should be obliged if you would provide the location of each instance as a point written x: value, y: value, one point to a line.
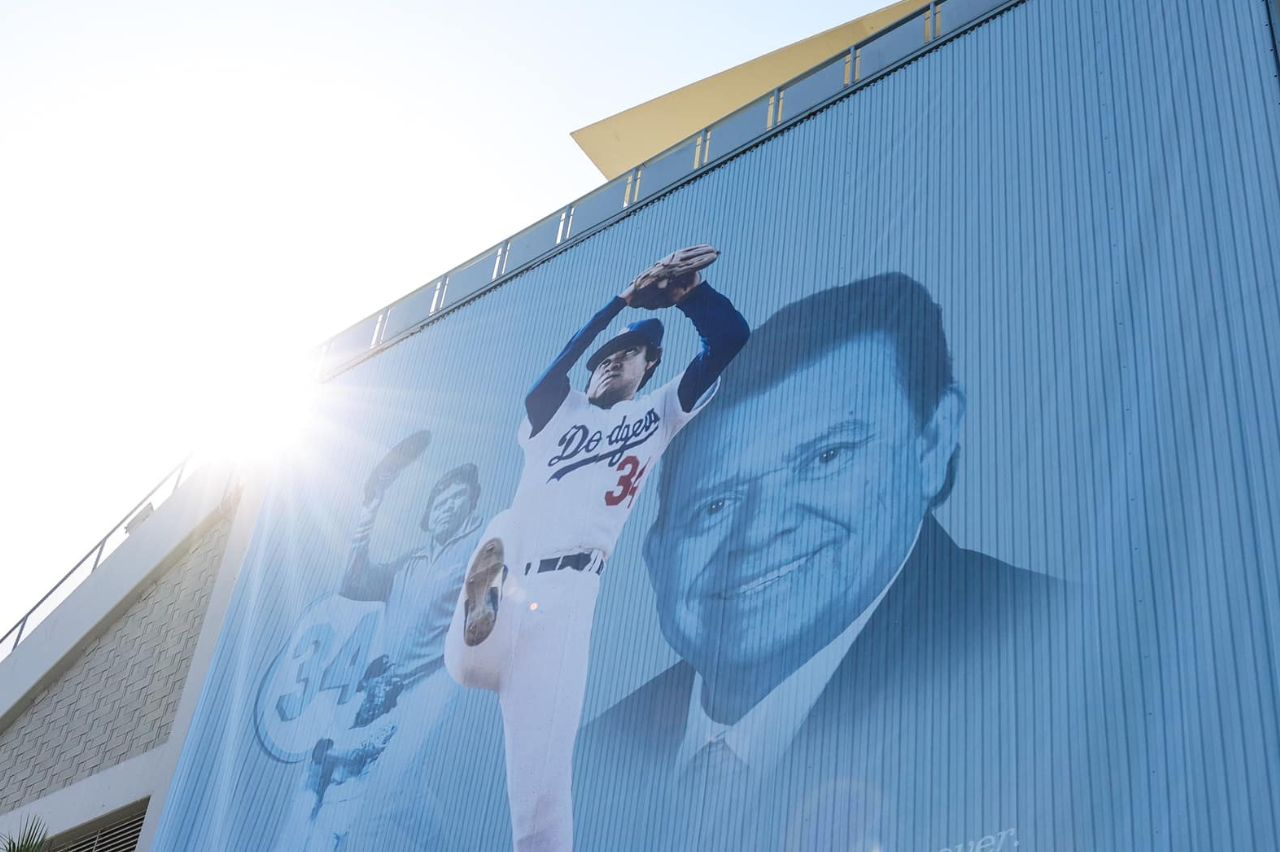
x: 1089, y: 191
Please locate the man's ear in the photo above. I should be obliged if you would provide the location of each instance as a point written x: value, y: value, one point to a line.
x: 651, y: 367
x: 939, y: 440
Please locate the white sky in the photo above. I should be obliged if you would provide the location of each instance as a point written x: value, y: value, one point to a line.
x: 191, y: 192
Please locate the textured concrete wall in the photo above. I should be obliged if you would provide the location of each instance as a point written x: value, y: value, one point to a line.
x: 117, y: 699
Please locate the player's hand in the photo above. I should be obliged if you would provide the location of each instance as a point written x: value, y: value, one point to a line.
x: 654, y: 298
x: 662, y: 294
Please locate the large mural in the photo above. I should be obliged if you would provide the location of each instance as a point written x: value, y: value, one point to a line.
x: 793, y: 511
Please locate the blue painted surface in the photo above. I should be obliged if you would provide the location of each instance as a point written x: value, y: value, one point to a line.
x: 1093, y: 207
x: 1273, y: 11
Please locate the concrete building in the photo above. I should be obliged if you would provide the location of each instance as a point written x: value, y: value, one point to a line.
x: 92, y: 695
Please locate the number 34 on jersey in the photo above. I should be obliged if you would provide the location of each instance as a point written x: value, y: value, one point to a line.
x: 630, y: 473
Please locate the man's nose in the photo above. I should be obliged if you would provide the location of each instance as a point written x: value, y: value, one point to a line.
x: 769, y: 517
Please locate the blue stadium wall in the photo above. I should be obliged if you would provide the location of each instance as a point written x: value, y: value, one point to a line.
x: 1075, y: 650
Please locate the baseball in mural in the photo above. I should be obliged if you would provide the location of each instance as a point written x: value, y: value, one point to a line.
x: 522, y: 626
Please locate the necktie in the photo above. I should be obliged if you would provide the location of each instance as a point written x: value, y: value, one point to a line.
x: 713, y: 790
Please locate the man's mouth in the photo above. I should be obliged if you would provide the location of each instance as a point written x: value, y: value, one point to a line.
x: 761, y: 581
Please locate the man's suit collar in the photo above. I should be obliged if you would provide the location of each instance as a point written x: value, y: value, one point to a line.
x: 934, y: 551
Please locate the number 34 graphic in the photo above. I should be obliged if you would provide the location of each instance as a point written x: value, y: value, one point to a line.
x: 308, y: 691
x: 628, y: 482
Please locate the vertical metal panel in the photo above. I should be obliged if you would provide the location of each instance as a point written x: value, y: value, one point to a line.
x: 813, y: 88
x: 740, y: 127
x: 534, y: 240
x: 1273, y: 16
x: 669, y: 167
x: 594, y: 208
x: 891, y: 45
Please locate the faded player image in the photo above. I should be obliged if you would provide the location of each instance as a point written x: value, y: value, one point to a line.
x: 850, y: 677
x: 523, y: 622
x: 419, y: 587
x: 404, y: 691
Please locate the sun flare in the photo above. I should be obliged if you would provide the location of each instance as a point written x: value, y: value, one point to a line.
x: 261, y: 414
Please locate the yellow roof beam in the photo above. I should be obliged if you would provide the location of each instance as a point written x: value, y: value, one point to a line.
x: 619, y: 142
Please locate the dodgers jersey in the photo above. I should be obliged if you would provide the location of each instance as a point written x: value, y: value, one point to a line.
x: 583, y: 471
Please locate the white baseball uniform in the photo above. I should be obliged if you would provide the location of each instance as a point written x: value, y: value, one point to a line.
x: 582, y: 473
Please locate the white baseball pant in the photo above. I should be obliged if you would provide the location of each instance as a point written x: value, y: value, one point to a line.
x: 536, y: 659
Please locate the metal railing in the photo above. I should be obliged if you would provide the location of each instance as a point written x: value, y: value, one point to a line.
x: 860, y: 65
x: 91, y: 560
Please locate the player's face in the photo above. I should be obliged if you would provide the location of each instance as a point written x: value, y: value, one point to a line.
x: 449, y: 511
x: 618, y: 376
x: 789, y: 512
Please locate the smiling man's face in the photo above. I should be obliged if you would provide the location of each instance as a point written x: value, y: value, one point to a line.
x: 787, y: 514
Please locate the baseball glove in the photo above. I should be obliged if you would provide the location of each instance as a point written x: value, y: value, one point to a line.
x: 394, y: 462
x: 672, y: 278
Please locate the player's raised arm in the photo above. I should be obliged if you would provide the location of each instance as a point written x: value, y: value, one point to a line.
x: 551, y: 388
x: 723, y: 332
x: 677, y: 280
x: 366, y: 580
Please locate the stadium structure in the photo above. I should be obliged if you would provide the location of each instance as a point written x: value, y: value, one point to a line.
x: 1054, y: 221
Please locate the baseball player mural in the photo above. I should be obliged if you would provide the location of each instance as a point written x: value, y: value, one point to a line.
x: 369, y: 659
x: 522, y: 626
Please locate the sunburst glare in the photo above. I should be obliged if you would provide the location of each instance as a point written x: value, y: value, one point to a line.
x: 260, y: 413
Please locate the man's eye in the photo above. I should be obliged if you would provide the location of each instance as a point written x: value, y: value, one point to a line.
x: 710, y: 513
x: 828, y: 460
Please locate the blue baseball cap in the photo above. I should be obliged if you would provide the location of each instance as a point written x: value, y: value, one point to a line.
x: 647, y: 332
